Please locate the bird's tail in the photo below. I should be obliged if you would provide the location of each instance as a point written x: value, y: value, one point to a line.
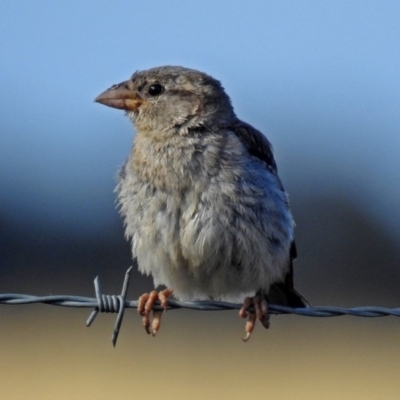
x: 285, y: 295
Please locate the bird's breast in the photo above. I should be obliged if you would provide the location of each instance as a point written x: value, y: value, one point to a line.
x: 204, y: 215
x: 169, y: 164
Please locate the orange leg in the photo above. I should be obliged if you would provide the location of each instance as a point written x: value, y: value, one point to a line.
x: 260, y: 313
x: 145, y: 307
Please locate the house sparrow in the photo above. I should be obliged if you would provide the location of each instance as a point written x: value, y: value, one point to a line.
x: 202, y: 202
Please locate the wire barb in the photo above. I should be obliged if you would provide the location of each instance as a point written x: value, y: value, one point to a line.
x: 118, y: 304
x: 111, y: 304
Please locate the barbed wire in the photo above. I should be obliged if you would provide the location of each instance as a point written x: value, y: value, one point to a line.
x: 118, y: 304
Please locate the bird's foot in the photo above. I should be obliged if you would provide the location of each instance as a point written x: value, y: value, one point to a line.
x: 260, y: 313
x: 145, y: 307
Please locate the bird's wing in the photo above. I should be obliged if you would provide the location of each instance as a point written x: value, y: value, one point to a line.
x: 256, y: 143
x: 260, y: 147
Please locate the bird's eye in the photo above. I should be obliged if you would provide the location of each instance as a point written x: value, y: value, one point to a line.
x: 155, y: 89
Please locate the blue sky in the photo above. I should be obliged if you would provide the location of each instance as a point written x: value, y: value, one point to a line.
x: 320, y: 78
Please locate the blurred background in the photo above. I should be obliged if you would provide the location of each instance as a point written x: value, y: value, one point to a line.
x: 319, y: 78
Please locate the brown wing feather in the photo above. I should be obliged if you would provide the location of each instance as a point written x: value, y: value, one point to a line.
x: 256, y: 143
x: 260, y: 147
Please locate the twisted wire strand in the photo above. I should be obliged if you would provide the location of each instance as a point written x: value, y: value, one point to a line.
x: 118, y: 304
x: 206, y: 305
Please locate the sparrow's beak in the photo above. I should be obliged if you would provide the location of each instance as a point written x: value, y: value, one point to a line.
x: 121, y: 97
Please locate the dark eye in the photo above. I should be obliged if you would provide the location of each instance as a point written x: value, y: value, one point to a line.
x: 155, y: 89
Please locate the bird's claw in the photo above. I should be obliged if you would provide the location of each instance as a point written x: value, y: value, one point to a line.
x: 260, y: 313
x: 145, y: 307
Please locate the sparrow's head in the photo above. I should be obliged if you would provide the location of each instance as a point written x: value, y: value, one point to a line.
x: 171, y: 97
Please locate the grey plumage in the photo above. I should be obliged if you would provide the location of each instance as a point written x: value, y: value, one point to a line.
x: 202, y: 202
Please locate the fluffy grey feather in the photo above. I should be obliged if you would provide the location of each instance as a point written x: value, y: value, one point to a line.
x: 203, y: 205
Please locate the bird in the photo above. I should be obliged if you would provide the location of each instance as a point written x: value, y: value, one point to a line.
x: 202, y: 202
